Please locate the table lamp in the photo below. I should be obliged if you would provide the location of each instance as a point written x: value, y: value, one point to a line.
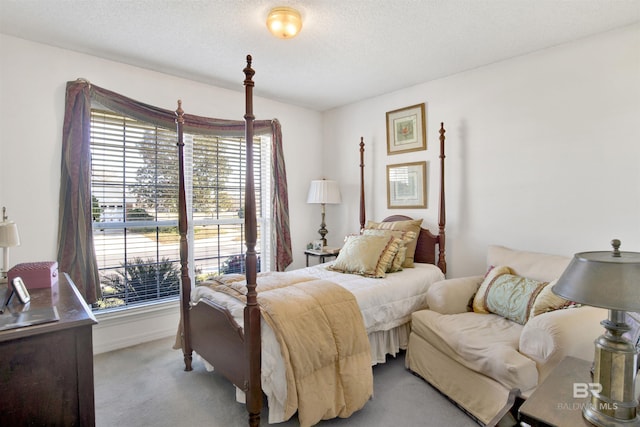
x: 8, y: 238
x: 323, y: 191
x: 610, y: 280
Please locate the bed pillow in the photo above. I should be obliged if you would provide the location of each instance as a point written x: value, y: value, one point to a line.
x: 405, y: 237
x: 366, y: 255
x: 510, y: 296
x: 406, y: 225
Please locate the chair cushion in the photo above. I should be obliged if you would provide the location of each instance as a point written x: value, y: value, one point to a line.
x: 534, y: 265
x: 485, y: 343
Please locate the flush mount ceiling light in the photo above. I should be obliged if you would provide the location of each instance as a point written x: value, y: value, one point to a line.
x: 284, y: 22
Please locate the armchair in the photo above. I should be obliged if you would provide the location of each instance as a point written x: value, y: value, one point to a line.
x: 483, y: 361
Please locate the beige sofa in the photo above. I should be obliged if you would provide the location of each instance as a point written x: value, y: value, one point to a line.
x: 484, y: 361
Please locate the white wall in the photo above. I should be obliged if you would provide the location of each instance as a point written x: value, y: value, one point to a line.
x: 32, y: 89
x: 543, y: 152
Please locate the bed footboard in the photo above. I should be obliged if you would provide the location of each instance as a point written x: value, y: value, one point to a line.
x: 217, y: 337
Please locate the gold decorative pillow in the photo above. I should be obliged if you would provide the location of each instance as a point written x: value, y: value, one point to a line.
x: 368, y: 256
x: 405, y: 237
x: 398, y: 260
x: 511, y: 296
x: 406, y: 225
x: 548, y: 301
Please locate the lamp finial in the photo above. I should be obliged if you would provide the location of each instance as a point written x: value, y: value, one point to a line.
x: 616, y: 248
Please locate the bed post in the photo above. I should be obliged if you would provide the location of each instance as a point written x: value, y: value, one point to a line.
x: 253, y: 389
x: 185, y: 293
x: 442, y: 264
x: 363, y: 215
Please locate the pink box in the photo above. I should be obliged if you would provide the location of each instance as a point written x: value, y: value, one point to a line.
x: 35, y: 275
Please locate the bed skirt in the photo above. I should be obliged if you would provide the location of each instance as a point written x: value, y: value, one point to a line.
x: 388, y: 342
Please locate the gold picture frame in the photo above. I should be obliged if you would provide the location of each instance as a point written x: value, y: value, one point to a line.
x: 406, y: 129
x: 407, y: 185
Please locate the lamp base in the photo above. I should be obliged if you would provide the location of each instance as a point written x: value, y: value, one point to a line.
x: 323, y: 230
x: 597, y: 418
x: 613, y: 401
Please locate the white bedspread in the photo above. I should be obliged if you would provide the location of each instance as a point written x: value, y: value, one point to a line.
x: 385, y: 304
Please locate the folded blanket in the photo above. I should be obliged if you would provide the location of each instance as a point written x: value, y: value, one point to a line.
x: 323, y: 341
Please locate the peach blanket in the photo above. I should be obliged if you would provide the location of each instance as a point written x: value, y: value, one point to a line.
x: 323, y: 341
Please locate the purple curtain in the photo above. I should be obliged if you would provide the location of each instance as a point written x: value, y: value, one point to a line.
x: 281, y: 240
x: 76, y: 254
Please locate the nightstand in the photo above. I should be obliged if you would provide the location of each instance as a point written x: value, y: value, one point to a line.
x: 322, y: 255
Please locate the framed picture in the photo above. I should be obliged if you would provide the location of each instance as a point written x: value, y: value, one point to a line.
x: 407, y: 185
x: 406, y: 130
x: 318, y: 245
x: 21, y: 290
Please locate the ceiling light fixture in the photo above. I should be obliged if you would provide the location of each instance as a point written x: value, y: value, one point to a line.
x: 284, y: 22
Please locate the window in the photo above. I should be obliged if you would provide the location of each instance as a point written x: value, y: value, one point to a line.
x: 134, y: 184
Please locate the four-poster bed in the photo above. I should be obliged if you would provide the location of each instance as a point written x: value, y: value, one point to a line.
x: 226, y: 329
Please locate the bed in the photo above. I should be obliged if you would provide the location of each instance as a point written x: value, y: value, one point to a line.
x: 224, y: 323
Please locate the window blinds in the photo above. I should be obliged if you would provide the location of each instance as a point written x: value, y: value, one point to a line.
x: 135, y: 212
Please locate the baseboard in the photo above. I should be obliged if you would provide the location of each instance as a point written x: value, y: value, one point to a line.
x: 126, y: 328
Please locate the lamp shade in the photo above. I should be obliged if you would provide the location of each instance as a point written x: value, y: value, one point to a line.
x: 602, y: 279
x: 9, y: 234
x: 324, y: 191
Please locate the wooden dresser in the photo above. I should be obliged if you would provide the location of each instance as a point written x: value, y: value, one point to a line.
x: 46, y: 370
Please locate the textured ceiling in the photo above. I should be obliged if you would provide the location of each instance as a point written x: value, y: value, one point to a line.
x: 348, y: 50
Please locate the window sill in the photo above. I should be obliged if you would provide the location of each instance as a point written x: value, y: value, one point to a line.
x: 120, y: 328
x: 117, y: 312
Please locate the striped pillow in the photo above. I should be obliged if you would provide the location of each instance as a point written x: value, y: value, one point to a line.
x: 405, y: 225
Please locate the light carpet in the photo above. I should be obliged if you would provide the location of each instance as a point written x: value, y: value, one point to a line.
x: 146, y: 385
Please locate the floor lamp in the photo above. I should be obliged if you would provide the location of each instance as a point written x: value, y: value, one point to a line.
x: 323, y: 192
x: 610, y: 280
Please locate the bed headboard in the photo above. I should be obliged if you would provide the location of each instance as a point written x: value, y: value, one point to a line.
x: 426, y: 245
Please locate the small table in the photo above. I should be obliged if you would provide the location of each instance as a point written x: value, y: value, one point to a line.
x: 320, y: 254
x: 552, y: 403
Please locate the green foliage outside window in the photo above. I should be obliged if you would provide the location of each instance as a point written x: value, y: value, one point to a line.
x: 140, y: 281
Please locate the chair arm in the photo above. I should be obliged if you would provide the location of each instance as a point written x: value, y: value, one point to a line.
x: 452, y: 296
x: 550, y: 337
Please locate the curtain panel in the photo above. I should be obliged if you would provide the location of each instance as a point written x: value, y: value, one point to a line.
x: 76, y: 254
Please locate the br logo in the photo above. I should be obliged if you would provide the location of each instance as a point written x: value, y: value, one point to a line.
x: 581, y: 390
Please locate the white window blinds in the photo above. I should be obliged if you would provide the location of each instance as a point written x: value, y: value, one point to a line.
x: 135, y: 198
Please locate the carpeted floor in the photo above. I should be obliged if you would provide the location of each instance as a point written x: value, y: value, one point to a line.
x: 146, y: 385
